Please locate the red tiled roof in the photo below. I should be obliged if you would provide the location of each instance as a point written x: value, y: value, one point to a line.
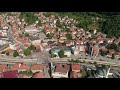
x: 60, y: 68
x: 104, y: 49
x: 73, y: 74
x: 75, y: 67
x: 10, y: 74
x: 67, y: 42
x: 112, y: 51
x: 22, y: 40
x: 16, y: 66
x: 3, y: 67
x: 37, y: 47
x: 48, y: 46
x: 37, y: 67
x: 38, y: 75
x: 109, y: 54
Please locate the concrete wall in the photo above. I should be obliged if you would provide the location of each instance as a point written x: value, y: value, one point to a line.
x: 59, y: 75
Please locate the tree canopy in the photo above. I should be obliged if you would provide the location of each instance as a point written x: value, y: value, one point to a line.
x: 29, y: 17
x: 15, y: 54
x: 61, y: 53
x: 27, y: 52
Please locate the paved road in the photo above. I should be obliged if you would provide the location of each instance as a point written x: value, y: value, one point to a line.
x: 9, y: 33
x: 46, y: 72
x: 86, y: 60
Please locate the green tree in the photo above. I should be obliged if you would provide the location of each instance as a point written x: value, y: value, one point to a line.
x: 15, y: 54
x: 61, y: 53
x: 77, y: 61
x: 27, y: 52
x: 68, y: 36
x: 29, y: 17
x: 84, y: 73
x: 119, y: 44
x: 39, y: 23
x: 31, y: 47
x: 30, y: 73
x: 113, y: 56
x: 26, y: 35
x: 49, y: 35
x: 95, y: 63
x: 112, y: 46
x: 103, y: 53
x: 58, y: 24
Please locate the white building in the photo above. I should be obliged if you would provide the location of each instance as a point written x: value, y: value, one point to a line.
x: 75, y: 51
x: 2, y: 42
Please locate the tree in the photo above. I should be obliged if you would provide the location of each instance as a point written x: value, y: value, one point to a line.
x: 31, y: 47
x: 77, y: 61
x: 30, y: 73
x: 68, y: 36
x: 58, y: 24
x: 103, y: 53
x: 49, y: 35
x: 26, y: 35
x: 15, y: 54
x: 27, y: 52
x: 111, y: 26
x: 39, y: 23
x: 29, y: 17
x: 95, y: 63
x: 61, y: 53
x: 119, y: 44
x: 112, y: 46
x: 113, y: 56
x: 84, y: 73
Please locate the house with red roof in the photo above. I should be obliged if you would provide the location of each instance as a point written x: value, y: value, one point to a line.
x: 60, y: 70
x: 37, y: 68
x: 37, y: 48
x: 112, y: 51
x: 61, y: 40
x: 96, y: 51
x: 68, y: 42
x: 10, y: 74
x: 15, y: 66
x: 3, y: 67
x: 47, y: 47
x: 73, y: 74
x: 109, y: 55
x: 75, y: 67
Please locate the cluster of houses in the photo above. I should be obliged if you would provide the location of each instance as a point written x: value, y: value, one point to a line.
x: 16, y: 37
x: 58, y: 28
x: 21, y: 70
x: 81, y: 40
x: 65, y: 70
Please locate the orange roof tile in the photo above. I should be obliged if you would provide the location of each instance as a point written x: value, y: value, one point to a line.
x: 73, y: 74
x: 37, y: 67
x: 75, y: 67
x: 3, y: 67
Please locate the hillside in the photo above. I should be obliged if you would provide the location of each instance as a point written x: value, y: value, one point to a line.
x: 106, y: 22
